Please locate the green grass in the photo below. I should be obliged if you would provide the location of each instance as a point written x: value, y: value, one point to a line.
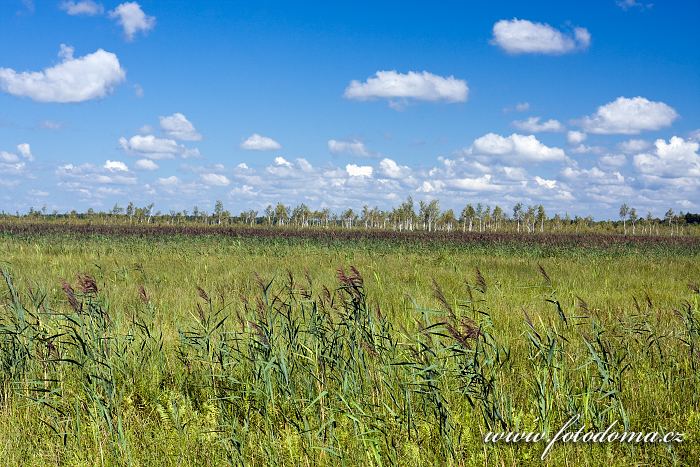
x: 243, y: 372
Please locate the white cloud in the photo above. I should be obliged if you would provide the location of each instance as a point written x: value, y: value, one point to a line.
x: 256, y: 142
x: 423, y: 86
x: 177, y: 126
x: 533, y: 125
x: 359, y: 170
x: 629, y: 4
x: 116, y: 166
x: 82, y: 7
x: 519, y: 107
x: 585, y: 149
x: 215, y: 179
x: 518, y: 36
x: 304, y: 165
x: 391, y: 169
x: 73, y: 80
x: 516, y: 147
x: 81, y: 177
x: 146, y: 164
x: 151, y: 147
x: 593, y: 175
x: 677, y: 158
x: 630, y: 116
x: 282, y: 162
x: 613, y: 160
x: 575, y: 137
x: 514, y: 173
x: 8, y: 157
x: 355, y: 147
x: 50, y: 125
x: 169, y: 181
x: 550, y: 184
x: 132, y: 19
x: 431, y: 186
x: 634, y: 145
x: 482, y: 183
x: 26, y: 151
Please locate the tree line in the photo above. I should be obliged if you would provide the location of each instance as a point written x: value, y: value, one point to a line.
x: 407, y: 216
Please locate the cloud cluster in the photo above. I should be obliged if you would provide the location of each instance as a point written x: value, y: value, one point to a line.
x: 515, y: 148
x: 115, y: 166
x: 73, y: 80
x: 421, y: 86
x: 82, y: 7
x: 178, y: 127
x: 676, y: 159
x: 132, y: 19
x: 359, y: 170
x: 256, y: 142
x: 520, y: 36
x: 629, y: 116
x: 354, y: 148
x: 214, y: 179
x: 91, y: 182
x: 152, y: 147
x: 15, y: 164
x: 533, y: 125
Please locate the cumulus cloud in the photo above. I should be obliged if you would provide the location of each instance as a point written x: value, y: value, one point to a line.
x: 613, y: 160
x: 26, y: 151
x: 519, y: 36
x: 359, y: 170
x: 421, y: 86
x: 146, y: 164
x: 256, y: 142
x: 391, y: 169
x: 8, y: 157
x: 304, y: 165
x: 215, y: 179
x: 168, y: 181
x: 132, y: 19
x: 533, y: 125
x: 73, y: 80
x: 677, y: 158
x: 354, y: 147
x: 82, y: 7
x: 116, y: 166
x: 634, y: 145
x: 152, y: 147
x: 483, y: 183
x: 515, y: 147
x: 430, y: 186
x: 50, y: 125
x: 177, y: 126
x: 629, y: 4
x: 630, y: 116
x: 593, y: 175
x: 282, y: 162
x: 550, y: 184
x: 82, y: 177
x: 575, y: 137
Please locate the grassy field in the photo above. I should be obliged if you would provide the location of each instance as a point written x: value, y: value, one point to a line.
x: 184, y: 350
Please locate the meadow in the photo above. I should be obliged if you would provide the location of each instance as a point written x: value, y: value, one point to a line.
x: 189, y: 349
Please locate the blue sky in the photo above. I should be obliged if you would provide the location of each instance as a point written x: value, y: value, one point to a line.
x: 574, y: 105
